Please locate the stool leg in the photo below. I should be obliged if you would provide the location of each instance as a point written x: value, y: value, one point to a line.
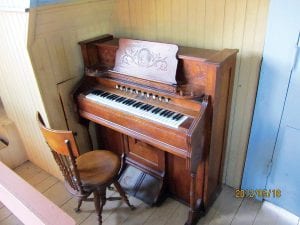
x: 97, y: 206
x: 102, y: 202
x: 122, y: 193
x: 78, y: 206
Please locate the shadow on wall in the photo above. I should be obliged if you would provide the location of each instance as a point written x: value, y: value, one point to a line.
x: 12, y: 152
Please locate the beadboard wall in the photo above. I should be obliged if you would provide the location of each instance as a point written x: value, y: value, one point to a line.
x: 54, y: 31
x: 53, y: 36
x: 19, y: 91
x: 213, y: 24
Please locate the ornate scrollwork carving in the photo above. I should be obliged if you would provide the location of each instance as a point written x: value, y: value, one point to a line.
x: 143, y: 57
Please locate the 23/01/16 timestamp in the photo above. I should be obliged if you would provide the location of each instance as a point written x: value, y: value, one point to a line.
x: 260, y: 193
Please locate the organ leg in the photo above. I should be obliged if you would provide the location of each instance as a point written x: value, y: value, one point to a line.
x: 196, y: 205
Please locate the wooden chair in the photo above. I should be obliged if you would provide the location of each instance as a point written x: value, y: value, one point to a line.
x: 91, y: 172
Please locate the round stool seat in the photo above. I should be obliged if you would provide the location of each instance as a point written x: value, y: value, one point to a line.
x: 98, y: 167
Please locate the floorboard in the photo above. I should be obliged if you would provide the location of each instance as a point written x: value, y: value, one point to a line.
x: 226, y: 210
x: 226, y: 207
x: 11, y: 220
x: 163, y: 213
x: 247, y: 212
x: 179, y: 216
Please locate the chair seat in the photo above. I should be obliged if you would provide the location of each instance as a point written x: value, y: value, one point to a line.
x: 98, y: 167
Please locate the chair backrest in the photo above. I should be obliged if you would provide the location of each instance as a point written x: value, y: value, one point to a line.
x: 64, y: 149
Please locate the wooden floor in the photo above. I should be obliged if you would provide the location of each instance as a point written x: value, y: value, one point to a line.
x: 227, y: 210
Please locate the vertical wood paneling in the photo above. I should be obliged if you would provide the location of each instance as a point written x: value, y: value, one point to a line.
x: 179, y: 21
x: 61, y: 59
x: 54, y: 33
x: 213, y: 24
x: 18, y: 88
x: 122, y: 14
x: 136, y: 18
x: 163, y: 26
x: 247, y: 83
x: 196, y: 22
x: 214, y: 20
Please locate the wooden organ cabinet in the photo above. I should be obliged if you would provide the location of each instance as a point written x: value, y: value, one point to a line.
x: 166, y: 109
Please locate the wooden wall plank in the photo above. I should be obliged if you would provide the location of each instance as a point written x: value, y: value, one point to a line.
x: 179, y: 21
x: 82, y: 137
x: 246, y: 88
x: 56, y: 58
x: 196, y: 23
x: 18, y: 88
x: 163, y: 26
x: 122, y: 13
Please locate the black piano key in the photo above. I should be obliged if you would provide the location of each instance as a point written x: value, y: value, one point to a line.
x: 136, y: 104
x: 123, y: 100
x: 154, y: 110
x: 99, y: 92
x: 104, y: 94
x: 170, y: 114
x: 115, y: 97
x: 109, y: 96
x: 179, y: 117
x: 130, y: 102
x: 158, y: 110
x: 175, y: 117
x: 93, y: 92
x: 140, y: 105
x: 163, y: 112
x: 167, y: 113
x: 126, y: 101
x: 145, y: 107
x: 151, y: 107
x: 120, y: 99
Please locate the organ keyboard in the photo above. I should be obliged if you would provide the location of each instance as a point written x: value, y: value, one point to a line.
x: 138, y: 108
x: 166, y: 108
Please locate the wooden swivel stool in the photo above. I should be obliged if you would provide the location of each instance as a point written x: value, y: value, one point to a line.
x: 91, y: 172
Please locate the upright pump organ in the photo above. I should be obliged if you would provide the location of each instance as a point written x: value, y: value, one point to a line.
x: 166, y: 109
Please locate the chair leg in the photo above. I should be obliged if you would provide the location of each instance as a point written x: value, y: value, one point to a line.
x: 78, y: 206
x: 122, y: 193
x: 102, y: 202
x: 97, y: 206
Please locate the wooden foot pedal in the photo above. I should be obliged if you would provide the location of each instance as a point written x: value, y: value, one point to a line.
x: 141, y: 185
